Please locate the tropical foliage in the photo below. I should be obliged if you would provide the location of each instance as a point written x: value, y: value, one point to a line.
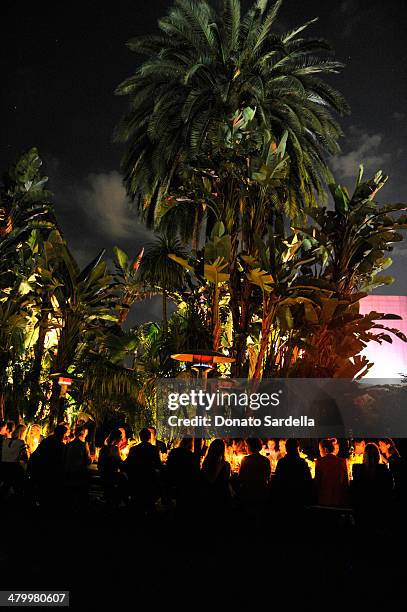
x: 307, y: 283
x: 230, y: 122
x: 228, y: 137
x: 54, y: 317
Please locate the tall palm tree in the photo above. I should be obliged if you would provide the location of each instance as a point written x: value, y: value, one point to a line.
x: 157, y: 270
x: 203, y: 71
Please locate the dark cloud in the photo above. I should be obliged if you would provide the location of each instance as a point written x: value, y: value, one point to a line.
x: 361, y: 147
x: 104, y: 199
x: 94, y: 212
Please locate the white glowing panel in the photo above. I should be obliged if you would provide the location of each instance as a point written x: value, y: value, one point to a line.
x: 390, y: 360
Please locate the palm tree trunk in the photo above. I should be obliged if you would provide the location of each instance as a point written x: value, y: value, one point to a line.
x: 235, y: 296
x: 122, y: 317
x: 127, y: 302
x: 240, y: 342
x: 197, y: 230
x: 267, y: 321
x: 265, y: 334
x: 35, y: 374
x: 216, y: 327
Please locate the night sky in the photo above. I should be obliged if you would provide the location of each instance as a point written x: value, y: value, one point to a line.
x: 61, y: 62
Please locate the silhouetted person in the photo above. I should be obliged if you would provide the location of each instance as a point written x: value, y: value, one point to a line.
x: 331, y: 477
x: 10, y: 427
x: 162, y: 447
x: 281, y: 449
x: 388, y: 450
x: 143, y: 468
x: 391, y: 457
x: 14, y: 459
x: 47, y: 468
x: 182, y: 474
x: 216, y: 478
x: 77, y: 461
x: 33, y: 437
x: 372, y: 488
x: 292, y: 482
x: 254, y: 474
x: 270, y: 449
x: 359, y: 446
x: 110, y: 467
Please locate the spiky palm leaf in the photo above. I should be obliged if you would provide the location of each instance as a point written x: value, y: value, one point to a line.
x: 157, y: 269
x: 201, y: 69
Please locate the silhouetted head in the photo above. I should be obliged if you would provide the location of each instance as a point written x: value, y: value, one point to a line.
x: 214, y: 459
x: 387, y: 447
x: 114, y: 437
x: 359, y: 446
x: 60, y: 432
x: 253, y: 445
x: 326, y: 447
x: 371, y: 456
x: 145, y: 435
x: 10, y: 427
x: 271, y: 445
x: 187, y: 443
x: 292, y: 446
x: 216, y: 450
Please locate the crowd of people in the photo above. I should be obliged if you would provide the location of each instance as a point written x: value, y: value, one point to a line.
x: 196, y: 477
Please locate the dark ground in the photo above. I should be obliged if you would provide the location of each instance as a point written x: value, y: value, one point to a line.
x: 120, y: 559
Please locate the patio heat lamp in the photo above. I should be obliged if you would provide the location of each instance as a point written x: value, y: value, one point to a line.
x: 203, y: 361
x: 65, y: 380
